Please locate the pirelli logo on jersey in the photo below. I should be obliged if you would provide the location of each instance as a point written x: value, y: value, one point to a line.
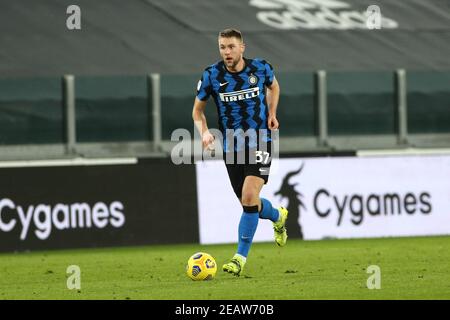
x: 239, y: 95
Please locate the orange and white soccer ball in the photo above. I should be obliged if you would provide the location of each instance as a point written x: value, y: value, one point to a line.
x: 201, y: 266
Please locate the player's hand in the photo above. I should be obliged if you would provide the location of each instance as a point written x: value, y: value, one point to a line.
x: 273, y: 122
x: 208, y: 140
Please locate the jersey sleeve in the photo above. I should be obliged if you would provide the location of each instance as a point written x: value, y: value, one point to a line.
x: 269, y: 74
x: 204, y: 86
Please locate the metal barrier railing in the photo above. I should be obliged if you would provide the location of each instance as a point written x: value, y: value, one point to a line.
x: 157, y: 146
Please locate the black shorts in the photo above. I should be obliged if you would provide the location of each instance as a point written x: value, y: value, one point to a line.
x: 237, y: 172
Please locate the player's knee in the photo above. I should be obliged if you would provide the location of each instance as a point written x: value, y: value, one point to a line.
x: 249, y: 198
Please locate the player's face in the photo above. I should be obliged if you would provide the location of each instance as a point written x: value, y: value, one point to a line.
x: 231, y: 51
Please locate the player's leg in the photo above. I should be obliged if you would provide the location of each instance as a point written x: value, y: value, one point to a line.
x: 267, y: 211
x: 278, y: 216
x: 247, y: 226
x: 261, y: 168
x: 250, y: 215
x: 236, y: 176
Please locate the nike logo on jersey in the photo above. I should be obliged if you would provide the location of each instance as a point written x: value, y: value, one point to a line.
x: 222, y: 84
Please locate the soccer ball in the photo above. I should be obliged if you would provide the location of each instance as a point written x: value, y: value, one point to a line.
x: 201, y: 266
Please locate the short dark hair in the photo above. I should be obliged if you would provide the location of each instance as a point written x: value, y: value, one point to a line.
x: 230, y: 32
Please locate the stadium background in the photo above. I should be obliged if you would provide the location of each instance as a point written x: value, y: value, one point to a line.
x: 86, y: 116
x: 118, y: 87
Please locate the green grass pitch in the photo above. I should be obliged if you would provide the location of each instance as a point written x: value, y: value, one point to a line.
x: 411, y: 268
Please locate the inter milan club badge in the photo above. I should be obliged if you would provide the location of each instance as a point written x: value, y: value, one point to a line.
x: 252, y: 80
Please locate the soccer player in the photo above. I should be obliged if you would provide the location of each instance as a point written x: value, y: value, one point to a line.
x: 246, y: 94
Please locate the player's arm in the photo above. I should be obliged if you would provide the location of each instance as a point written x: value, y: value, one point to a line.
x: 198, y: 115
x: 273, y: 96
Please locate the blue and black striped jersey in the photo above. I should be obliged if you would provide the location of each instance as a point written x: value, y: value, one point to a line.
x: 240, y: 97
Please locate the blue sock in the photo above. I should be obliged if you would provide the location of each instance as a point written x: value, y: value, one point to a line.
x: 247, y: 229
x: 267, y: 211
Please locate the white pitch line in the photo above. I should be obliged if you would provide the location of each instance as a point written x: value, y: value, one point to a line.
x: 67, y: 162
